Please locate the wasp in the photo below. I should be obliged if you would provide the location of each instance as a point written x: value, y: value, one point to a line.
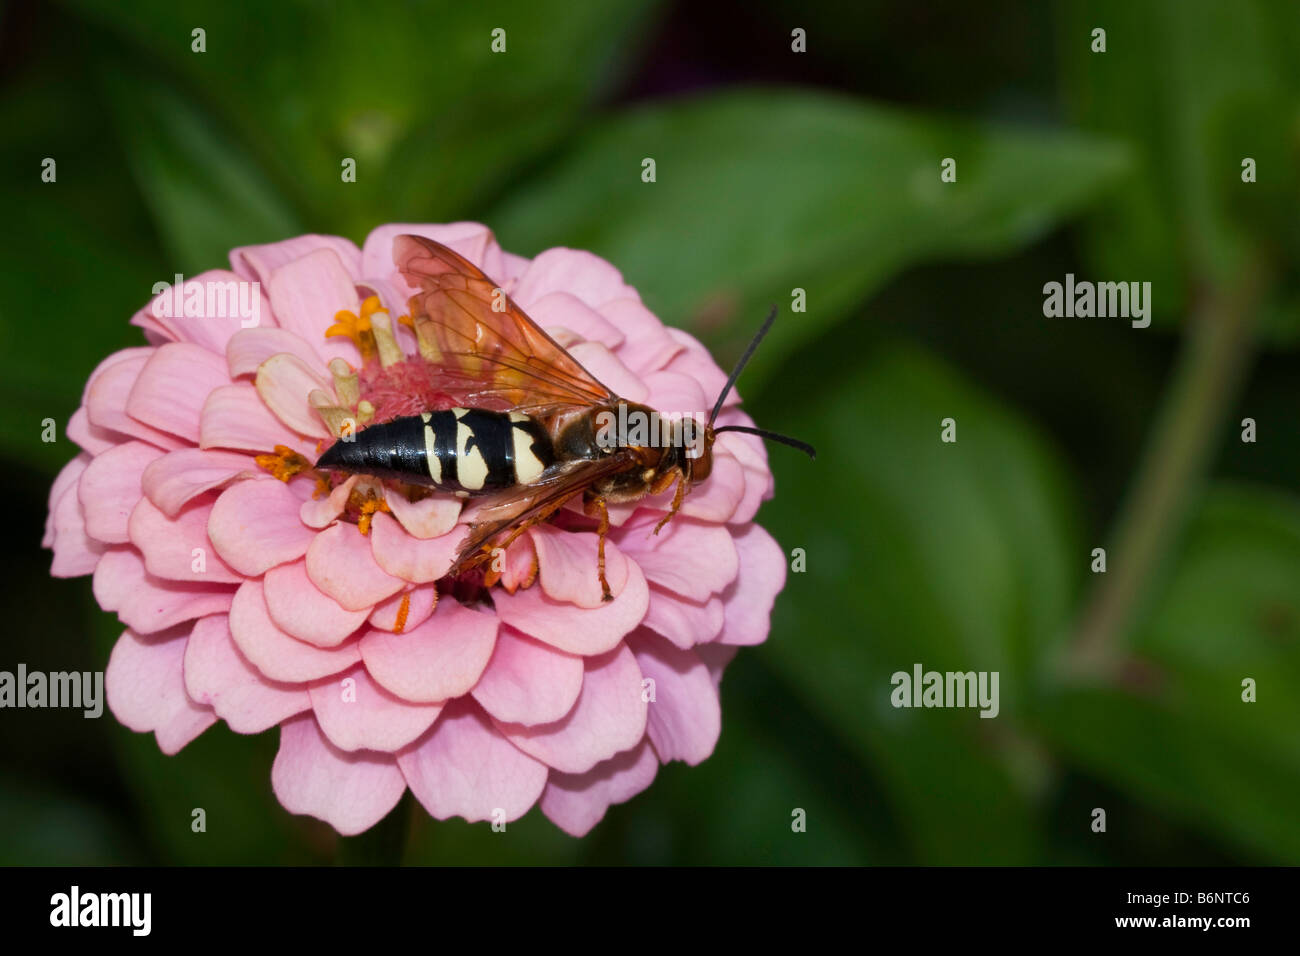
x: 530, y: 429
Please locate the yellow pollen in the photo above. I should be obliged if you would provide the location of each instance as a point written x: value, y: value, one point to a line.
x: 367, y: 505
x: 283, y: 464
x: 403, y: 610
x: 357, y: 327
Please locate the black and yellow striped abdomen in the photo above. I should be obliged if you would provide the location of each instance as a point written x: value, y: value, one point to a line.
x: 468, y: 451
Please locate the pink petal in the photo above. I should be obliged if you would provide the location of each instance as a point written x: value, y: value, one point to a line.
x: 219, y: 676
x: 748, y: 602
x: 110, y: 488
x: 568, y: 564
x: 686, y: 557
x: 272, y: 651
x: 299, y: 608
x: 750, y: 451
x: 66, y: 480
x: 75, y: 553
x: 465, y: 768
x: 526, y: 682
x: 234, y: 417
x: 609, y: 717
x: 175, y: 478
x: 420, y: 603
x: 472, y: 240
x: 577, y: 802
x: 581, y: 274
x: 355, y: 713
x: 718, y: 497
x: 340, y: 563
x: 685, y: 717
x: 695, y: 362
x: 173, y: 386
x: 259, y: 262
x: 174, y: 547
x: 144, y: 686
x: 647, y: 345
x: 139, y: 354
x: 571, y: 628
x: 90, y: 437
x: 412, y: 559
x: 323, y: 512
x: 307, y: 292
x: 716, y: 657
x: 106, y: 398
x: 284, y: 381
x: 249, y: 348
x: 684, y: 622
x: 671, y: 392
x: 560, y: 310
x: 520, y: 565
x: 442, y: 658
x: 254, y: 526
x: 349, y: 791
x: 609, y: 371
x: 147, y: 604
x: 430, y: 517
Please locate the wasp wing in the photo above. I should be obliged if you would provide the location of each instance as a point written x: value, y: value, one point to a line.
x: 486, y: 357
x: 516, y: 509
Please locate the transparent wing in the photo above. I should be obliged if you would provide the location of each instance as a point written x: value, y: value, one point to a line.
x: 481, y: 356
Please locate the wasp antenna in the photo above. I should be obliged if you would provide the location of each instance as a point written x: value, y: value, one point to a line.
x: 803, y: 446
x: 740, y: 365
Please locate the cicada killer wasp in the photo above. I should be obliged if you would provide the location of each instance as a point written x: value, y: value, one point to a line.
x: 530, y: 429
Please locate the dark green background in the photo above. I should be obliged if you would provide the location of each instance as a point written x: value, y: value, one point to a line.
x: 775, y: 170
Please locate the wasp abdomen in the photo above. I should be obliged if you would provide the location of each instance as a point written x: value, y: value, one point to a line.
x: 469, y: 451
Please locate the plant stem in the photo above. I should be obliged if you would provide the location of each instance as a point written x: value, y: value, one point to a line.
x: 1215, y: 353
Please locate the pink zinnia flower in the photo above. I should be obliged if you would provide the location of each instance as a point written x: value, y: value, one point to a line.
x: 256, y: 592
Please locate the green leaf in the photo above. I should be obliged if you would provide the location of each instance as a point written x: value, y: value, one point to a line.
x: 82, y: 263
x: 1179, y: 734
x: 205, y: 194
x: 760, y: 192
x: 411, y: 91
x: 958, y: 556
x: 1194, y: 87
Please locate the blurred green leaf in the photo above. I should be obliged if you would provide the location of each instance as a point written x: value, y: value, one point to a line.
x: 82, y: 263
x: 760, y: 192
x: 40, y: 827
x: 205, y: 194
x: 1180, y: 735
x: 1195, y: 87
x: 411, y: 91
x: 958, y: 556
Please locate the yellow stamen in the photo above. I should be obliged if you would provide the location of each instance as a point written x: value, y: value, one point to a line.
x: 358, y: 327
x: 283, y: 464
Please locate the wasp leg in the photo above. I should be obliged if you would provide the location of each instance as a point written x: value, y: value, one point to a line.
x: 678, y: 495
x: 597, y: 504
x: 488, y: 549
